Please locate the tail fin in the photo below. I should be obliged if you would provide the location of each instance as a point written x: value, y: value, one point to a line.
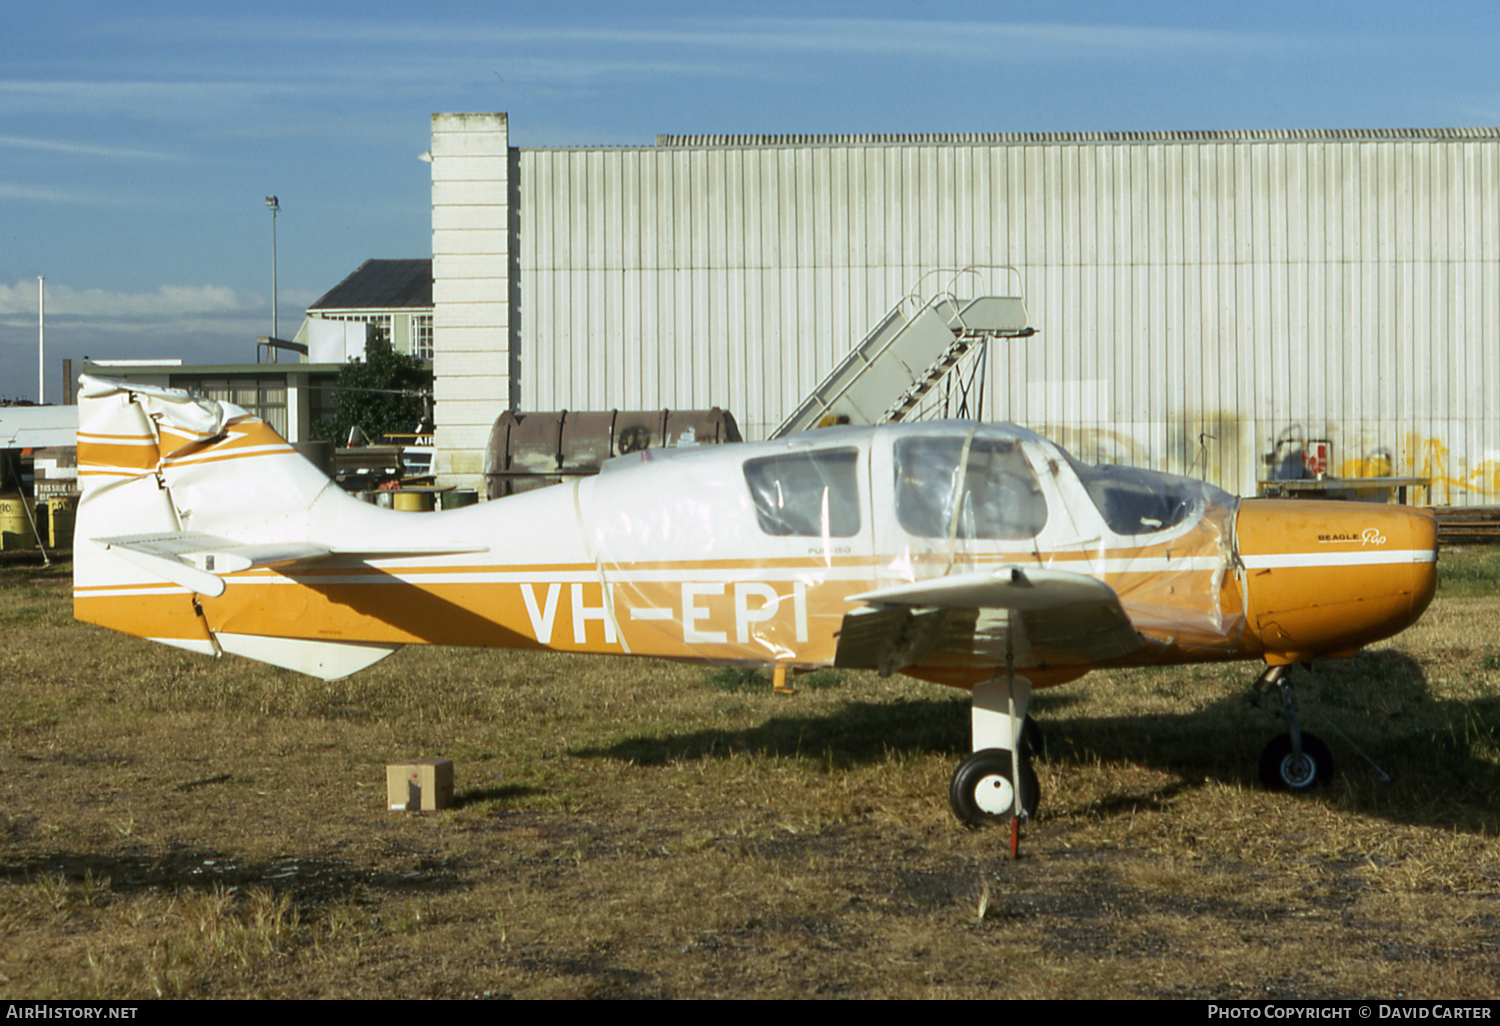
x: 145, y: 454
x: 168, y: 480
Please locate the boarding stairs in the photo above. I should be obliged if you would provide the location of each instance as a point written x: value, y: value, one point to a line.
x: 915, y: 346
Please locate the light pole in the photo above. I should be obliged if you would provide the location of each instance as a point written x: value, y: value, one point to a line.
x: 41, y: 341
x: 273, y: 206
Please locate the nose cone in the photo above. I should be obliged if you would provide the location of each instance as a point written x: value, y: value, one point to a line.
x: 1327, y: 578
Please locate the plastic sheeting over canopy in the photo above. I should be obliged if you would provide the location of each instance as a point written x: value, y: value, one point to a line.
x: 828, y: 514
x: 942, y: 550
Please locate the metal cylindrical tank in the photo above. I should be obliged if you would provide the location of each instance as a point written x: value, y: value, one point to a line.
x: 411, y: 501
x: 61, y: 513
x: 15, y: 524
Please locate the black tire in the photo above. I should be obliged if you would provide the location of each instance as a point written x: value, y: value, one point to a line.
x: 1281, y: 771
x: 980, y: 790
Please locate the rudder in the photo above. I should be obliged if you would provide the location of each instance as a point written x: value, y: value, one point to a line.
x: 159, y: 461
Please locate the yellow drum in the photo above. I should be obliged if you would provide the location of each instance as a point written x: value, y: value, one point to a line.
x: 15, y: 525
x: 60, y: 515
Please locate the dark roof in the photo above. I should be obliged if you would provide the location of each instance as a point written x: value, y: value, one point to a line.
x: 382, y: 285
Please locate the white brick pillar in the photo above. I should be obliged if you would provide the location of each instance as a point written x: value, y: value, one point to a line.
x: 471, y: 358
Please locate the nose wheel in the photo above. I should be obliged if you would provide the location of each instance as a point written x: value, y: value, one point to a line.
x: 1283, y: 769
x: 1294, y: 761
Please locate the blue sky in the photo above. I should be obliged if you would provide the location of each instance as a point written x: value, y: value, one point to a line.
x: 138, y: 141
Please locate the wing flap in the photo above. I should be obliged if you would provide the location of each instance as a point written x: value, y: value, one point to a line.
x: 886, y: 638
x: 1046, y: 617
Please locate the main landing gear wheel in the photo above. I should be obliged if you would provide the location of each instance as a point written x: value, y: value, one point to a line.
x: 981, y: 791
x: 1032, y: 740
x: 1281, y: 770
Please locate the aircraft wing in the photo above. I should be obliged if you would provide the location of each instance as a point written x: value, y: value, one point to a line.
x: 196, y: 561
x: 1049, y: 618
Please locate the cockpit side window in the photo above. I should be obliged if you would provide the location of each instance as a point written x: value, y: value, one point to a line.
x: 989, y: 492
x: 806, y: 494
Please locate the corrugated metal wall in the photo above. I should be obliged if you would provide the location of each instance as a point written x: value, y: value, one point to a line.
x: 1201, y: 299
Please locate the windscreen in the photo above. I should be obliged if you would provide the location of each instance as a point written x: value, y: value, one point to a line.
x: 1135, y: 501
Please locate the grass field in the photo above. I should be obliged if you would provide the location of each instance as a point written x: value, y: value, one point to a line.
x: 175, y: 826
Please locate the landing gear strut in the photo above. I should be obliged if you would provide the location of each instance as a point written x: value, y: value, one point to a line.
x: 996, y: 784
x: 1294, y: 761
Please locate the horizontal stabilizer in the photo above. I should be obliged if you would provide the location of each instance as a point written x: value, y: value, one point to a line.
x: 199, y: 561
x: 405, y: 551
x: 184, y: 559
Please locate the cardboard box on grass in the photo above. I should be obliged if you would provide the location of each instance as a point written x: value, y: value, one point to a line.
x: 419, y: 785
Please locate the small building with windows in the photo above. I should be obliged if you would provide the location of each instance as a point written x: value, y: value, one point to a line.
x: 291, y: 397
x: 389, y: 296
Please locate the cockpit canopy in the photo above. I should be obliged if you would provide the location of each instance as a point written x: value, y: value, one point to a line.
x: 963, y: 482
x: 1135, y: 501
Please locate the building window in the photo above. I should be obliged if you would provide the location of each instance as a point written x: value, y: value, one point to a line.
x: 421, y: 336
x: 262, y: 397
x: 380, y: 324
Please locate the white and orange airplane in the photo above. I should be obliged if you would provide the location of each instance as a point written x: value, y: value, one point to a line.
x: 980, y: 556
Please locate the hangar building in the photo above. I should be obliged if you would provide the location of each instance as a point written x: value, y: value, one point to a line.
x: 1235, y: 305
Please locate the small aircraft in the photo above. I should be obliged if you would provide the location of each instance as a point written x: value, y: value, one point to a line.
x: 980, y: 556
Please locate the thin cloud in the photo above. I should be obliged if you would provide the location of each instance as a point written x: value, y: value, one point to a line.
x: 576, y: 70
x: 197, y: 323
x: 46, y: 194
x: 147, y: 100
x: 959, y: 39
x: 991, y: 40
x: 362, y: 59
x: 80, y: 149
x: 169, y: 303
x: 740, y: 33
